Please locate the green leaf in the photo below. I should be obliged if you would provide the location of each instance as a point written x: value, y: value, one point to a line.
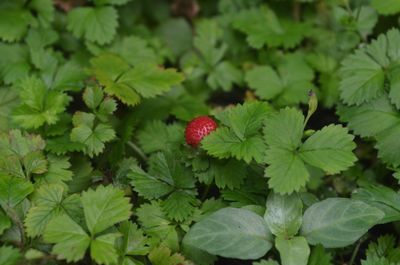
x: 111, y: 2
x: 70, y: 240
x: 388, y: 7
x: 102, y: 249
x: 132, y: 242
x: 284, y: 214
x: 180, y: 205
x: 233, y: 233
x: 319, y: 256
x: 329, y: 149
x: 163, y: 256
x: 104, y: 207
x: 9, y: 255
x: 13, y: 190
x: 14, y: 23
x: 294, y: 251
x: 49, y: 203
x: 266, y: 262
x: 5, y: 222
x: 8, y: 100
x: 127, y: 83
x: 241, y: 138
x: 39, y: 105
x: 381, y: 197
x: 224, y: 75
x: 92, y: 136
x: 96, y: 24
x: 364, y: 72
x: 262, y: 27
x: 15, y: 62
x: 338, y: 222
x: 287, y: 85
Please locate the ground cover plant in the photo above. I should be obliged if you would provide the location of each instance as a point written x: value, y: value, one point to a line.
x: 171, y: 132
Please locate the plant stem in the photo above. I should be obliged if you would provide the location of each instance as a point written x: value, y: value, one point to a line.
x: 137, y: 150
x: 355, y: 252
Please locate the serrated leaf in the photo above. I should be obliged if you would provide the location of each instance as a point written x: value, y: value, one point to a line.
x: 338, y: 222
x: 102, y: 249
x: 14, y: 23
x: 329, y: 149
x: 104, y: 207
x: 96, y: 24
x: 39, y: 105
x: 9, y: 255
x: 388, y: 7
x: 262, y: 27
x: 70, y: 240
x: 231, y: 232
x: 180, y: 205
x: 133, y: 241
x: 5, y: 222
x: 319, y: 256
x: 13, y: 190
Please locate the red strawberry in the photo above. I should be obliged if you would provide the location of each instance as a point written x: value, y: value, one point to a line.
x: 199, y: 128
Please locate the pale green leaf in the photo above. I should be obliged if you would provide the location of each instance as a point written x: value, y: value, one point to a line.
x: 9, y: 255
x: 338, y: 222
x: 102, y: 249
x: 387, y: 7
x: 14, y: 23
x: 284, y: 214
x: 13, y: 190
x: 294, y: 251
x: 233, y: 233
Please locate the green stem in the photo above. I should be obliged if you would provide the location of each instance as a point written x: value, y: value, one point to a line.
x: 355, y: 252
x: 137, y: 150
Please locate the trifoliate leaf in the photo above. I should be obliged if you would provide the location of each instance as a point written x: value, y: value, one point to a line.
x: 241, y: 138
x: 225, y: 75
x: 9, y: 255
x: 14, y: 23
x: 39, y: 105
x: 92, y: 135
x: 287, y: 157
x: 58, y: 171
x: 69, y: 77
x: 388, y: 7
x: 44, y: 10
x: 262, y: 27
x: 104, y: 207
x: 287, y: 85
x: 128, y: 83
x: 70, y: 240
x: 329, y: 149
x: 96, y: 24
x: 163, y: 256
x: 364, y: 72
x: 14, y: 64
x: 102, y: 249
x: 13, y: 190
x: 180, y: 205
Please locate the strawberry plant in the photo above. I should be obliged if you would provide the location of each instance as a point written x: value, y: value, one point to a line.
x: 199, y: 132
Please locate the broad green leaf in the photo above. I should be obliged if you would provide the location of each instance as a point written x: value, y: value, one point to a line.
x: 70, y: 240
x: 132, y: 242
x: 96, y: 24
x: 381, y: 197
x: 104, y: 207
x: 13, y: 190
x: 9, y: 255
x: 329, y: 149
x: 233, y: 233
x: 284, y: 214
x: 338, y: 222
x: 102, y: 249
x: 8, y: 100
x: 294, y: 251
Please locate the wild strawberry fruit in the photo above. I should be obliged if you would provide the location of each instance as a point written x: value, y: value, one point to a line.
x: 199, y: 128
